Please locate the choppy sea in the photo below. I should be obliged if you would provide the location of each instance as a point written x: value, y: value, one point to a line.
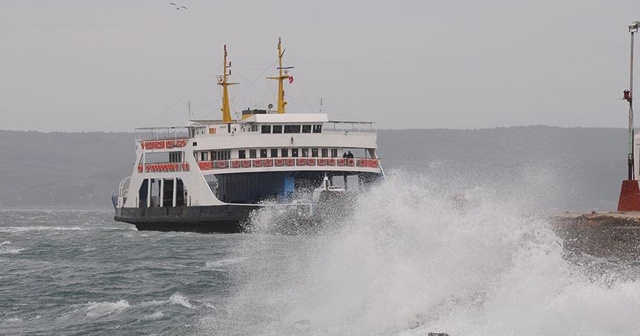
x: 404, y: 262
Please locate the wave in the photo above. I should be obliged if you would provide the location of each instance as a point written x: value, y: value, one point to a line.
x: 99, y: 309
x: 410, y: 260
x: 15, y: 229
x: 220, y: 265
x: 178, y: 299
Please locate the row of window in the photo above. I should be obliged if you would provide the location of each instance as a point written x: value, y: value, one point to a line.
x: 267, y: 153
x: 279, y: 129
x: 287, y: 152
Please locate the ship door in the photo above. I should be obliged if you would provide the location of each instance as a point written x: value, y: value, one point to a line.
x: 180, y: 193
x: 167, y: 193
x: 173, y: 192
x: 143, y: 193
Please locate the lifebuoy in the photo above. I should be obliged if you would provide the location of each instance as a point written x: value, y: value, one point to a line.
x: 301, y: 162
x: 185, y: 166
x: 169, y: 144
x: 340, y: 162
x: 267, y: 162
x: 322, y: 162
x: 331, y: 162
x: 350, y: 162
x: 291, y: 162
x: 246, y: 163
x: 257, y: 163
x: 139, y: 168
x: 235, y: 164
x: 311, y: 162
x: 279, y: 162
x: 221, y: 164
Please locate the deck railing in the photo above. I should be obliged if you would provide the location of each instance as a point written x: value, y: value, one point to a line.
x: 288, y: 162
x: 168, y: 167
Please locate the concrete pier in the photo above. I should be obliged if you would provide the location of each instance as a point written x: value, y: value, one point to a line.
x: 601, y: 234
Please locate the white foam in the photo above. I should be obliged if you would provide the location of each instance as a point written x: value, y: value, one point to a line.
x: 406, y: 263
x: 223, y: 263
x: 178, y: 299
x: 98, y: 309
x: 13, y: 229
x: 155, y: 316
x: 10, y: 250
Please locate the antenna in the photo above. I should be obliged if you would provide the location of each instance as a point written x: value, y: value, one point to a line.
x: 320, y: 104
x: 222, y: 81
x: 189, y: 108
x: 281, y: 77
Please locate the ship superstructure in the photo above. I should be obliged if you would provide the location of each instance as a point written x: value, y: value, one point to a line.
x: 209, y: 175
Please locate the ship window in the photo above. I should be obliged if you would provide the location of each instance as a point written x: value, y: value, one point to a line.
x: 263, y: 153
x: 157, y: 157
x: 204, y: 156
x: 284, y: 152
x: 325, y: 152
x: 305, y: 152
x: 314, y: 152
x: 254, y: 128
x: 266, y: 129
x: 317, y: 128
x: 242, y: 154
x: 221, y: 155
x: 175, y: 157
x: 252, y: 153
x: 195, y: 143
x: 277, y: 129
x: 274, y: 152
x: 306, y: 128
x: 292, y: 128
x: 294, y: 152
x: 334, y: 152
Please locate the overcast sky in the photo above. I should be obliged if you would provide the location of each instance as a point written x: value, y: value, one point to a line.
x: 78, y: 65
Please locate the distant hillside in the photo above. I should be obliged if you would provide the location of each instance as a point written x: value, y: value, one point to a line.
x: 566, y: 168
x: 556, y: 168
x: 74, y: 170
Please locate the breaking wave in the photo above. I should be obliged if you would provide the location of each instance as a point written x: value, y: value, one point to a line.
x: 410, y: 260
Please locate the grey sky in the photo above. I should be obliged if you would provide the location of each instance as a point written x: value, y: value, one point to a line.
x: 78, y: 65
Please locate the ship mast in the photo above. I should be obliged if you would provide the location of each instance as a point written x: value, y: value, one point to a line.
x: 282, y: 75
x: 222, y: 80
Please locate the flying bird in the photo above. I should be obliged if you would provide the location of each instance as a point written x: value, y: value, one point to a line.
x: 177, y: 7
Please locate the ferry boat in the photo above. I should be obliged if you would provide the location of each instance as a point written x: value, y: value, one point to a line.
x: 210, y: 175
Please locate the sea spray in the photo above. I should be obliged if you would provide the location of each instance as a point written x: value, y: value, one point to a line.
x: 407, y: 261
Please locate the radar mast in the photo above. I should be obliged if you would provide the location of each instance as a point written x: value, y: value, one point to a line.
x: 222, y: 80
x: 283, y: 74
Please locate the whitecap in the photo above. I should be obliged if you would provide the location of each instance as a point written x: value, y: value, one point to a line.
x: 177, y: 298
x: 155, y: 316
x: 219, y: 265
x: 11, y: 250
x: 97, y: 309
x: 14, y: 229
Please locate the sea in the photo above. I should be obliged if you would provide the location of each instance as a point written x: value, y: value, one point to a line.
x: 406, y: 260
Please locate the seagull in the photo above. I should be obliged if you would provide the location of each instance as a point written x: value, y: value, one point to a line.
x: 177, y: 7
